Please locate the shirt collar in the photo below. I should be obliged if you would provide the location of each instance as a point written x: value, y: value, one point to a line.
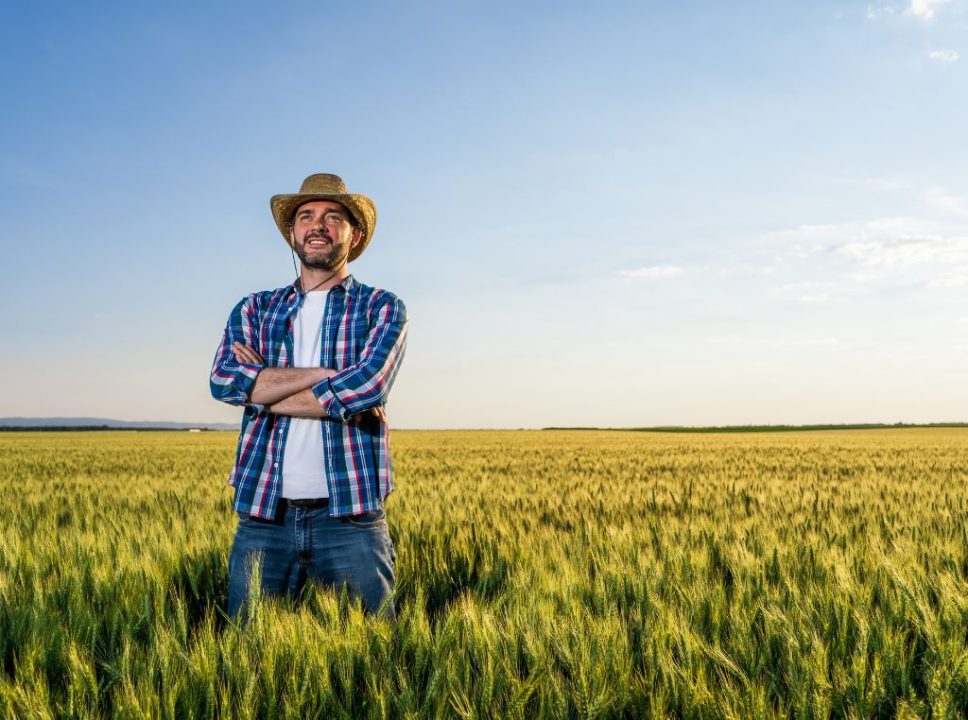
x: 346, y: 284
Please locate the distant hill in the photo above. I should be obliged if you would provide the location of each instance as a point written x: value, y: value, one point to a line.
x: 88, y: 423
x: 772, y: 428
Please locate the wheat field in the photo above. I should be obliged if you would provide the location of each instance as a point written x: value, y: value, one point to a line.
x: 540, y: 575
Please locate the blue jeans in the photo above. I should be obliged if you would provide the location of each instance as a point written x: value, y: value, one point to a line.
x: 307, y: 544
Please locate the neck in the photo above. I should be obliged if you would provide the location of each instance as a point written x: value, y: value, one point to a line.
x: 313, y: 279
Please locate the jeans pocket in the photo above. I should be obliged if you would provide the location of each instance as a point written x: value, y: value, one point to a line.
x: 367, y: 519
x: 246, y: 520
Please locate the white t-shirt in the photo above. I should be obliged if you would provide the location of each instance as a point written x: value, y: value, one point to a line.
x: 303, y: 474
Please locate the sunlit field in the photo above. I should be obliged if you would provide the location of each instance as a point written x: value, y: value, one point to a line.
x: 540, y: 575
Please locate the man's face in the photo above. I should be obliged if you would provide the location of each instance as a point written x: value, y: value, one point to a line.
x: 322, y: 234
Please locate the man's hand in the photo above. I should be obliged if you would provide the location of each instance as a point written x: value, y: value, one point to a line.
x: 245, y: 354
x: 378, y: 412
x: 303, y: 404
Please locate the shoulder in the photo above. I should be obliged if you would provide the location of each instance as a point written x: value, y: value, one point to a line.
x: 377, y: 301
x: 262, y: 300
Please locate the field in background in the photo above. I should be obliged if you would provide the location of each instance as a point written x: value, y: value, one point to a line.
x: 540, y: 574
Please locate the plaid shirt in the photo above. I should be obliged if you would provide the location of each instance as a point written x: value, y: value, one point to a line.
x: 364, y: 338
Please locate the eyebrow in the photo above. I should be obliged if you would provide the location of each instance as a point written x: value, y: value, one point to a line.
x: 301, y: 213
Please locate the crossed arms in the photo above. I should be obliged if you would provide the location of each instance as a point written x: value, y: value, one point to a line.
x: 240, y: 377
x: 287, y: 391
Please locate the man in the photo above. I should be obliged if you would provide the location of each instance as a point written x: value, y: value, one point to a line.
x: 313, y: 363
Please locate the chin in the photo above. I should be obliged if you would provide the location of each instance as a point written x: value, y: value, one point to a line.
x: 318, y: 261
x: 328, y: 264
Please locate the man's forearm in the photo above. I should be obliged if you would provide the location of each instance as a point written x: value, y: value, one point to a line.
x: 274, y: 384
x: 300, y: 404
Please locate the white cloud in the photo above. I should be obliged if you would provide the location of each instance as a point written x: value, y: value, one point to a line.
x: 907, y: 252
x: 931, y: 262
x: 870, y: 183
x: 946, y: 56
x: 807, y: 292
x: 876, y: 12
x: 653, y: 272
x: 954, y: 278
x: 802, y: 286
x: 805, y: 242
x: 925, y: 9
x: 815, y: 299
x: 775, y: 342
x: 828, y: 262
x: 938, y: 197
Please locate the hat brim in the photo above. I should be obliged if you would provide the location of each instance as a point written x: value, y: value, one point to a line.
x: 359, y: 206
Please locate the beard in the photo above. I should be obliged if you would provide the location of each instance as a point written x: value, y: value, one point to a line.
x: 321, y: 259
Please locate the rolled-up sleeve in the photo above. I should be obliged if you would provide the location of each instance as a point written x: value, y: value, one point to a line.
x: 232, y: 381
x: 366, y: 384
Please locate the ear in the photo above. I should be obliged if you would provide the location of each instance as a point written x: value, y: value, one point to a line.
x: 357, y: 236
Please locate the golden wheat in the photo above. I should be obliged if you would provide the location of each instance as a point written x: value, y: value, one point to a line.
x: 540, y: 574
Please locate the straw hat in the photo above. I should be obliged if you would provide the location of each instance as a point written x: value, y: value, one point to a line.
x: 324, y: 186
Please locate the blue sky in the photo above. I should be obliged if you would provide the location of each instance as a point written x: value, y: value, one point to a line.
x: 632, y: 214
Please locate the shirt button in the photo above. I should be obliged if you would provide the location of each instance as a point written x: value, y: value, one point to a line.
x: 275, y: 464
